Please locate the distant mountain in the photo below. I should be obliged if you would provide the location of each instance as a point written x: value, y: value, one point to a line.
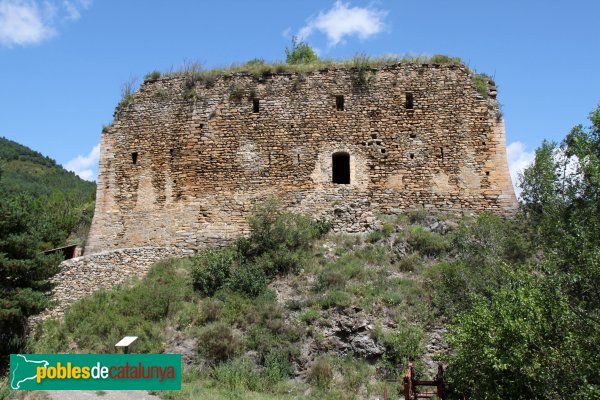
x: 60, y: 205
x: 29, y: 172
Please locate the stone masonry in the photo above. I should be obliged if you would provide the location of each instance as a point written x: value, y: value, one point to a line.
x: 183, y: 164
x: 81, y: 276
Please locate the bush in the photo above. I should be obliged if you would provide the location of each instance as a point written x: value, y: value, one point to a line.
x: 152, y: 76
x: 277, y: 366
x: 410, y: 262
x: 321, y: 373
x: 237, y: 375
x: 519, y: 345
x: 217, y: 342
x: 426, y: 242
x: 444, y: 59
x: 211, y: 310
x: 211, y: 270
x: 335, y: 298
x: 309, y: 316
x: 300, y: 53
x: 248, y: 278
x: 403, y: 346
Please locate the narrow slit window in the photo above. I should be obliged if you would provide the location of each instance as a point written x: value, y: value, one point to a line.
x: 134, y: 157
x: 339, y: 103
x: 340, y: 166
x: 409, y: 101
x: 255, y: 105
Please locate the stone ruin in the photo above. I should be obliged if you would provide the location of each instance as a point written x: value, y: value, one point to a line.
x: 185, y: 160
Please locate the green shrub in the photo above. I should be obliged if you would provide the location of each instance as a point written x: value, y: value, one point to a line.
x: 248, y: 278
x: 410, y: 263
x: 403, y: 345
x: 335, y: 298
x: 320, y: 373
x: 152, y: 76
x: 490, y: 240
x: 211, y: 270
x: 481, y: 84
x: 355, y: 373
x: 330, y: 279
x: 237, y: 375
x: 217, y: 342
x: 375, y: 236
x: 519, y: 345
x: 277, y: 366
x: 51, y: 337
x: 444, y: 59
x: 279, y: 241
x: 418, y: 216
x: 300, y: 53
x: 309, y: 316
x: 211, y: 310
x: 362, y: 73
x: 426, y: 242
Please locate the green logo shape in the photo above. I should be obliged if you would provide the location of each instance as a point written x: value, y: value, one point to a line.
x: 95, y: 372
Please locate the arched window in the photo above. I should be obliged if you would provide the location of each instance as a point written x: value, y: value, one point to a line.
x: 340, y: 168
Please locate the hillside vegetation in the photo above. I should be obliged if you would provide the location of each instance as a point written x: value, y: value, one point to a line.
x: 510, y: 305
x: 42, y: 206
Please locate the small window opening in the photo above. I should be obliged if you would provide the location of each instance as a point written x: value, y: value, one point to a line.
x: 409, y: 101
x: 171, y: 153
x: 382, y: 151
x: 339, y: 103
x: 412, y: 156
x: 134, y: 157
x: 201, y: 126
x: 373, y: 136
x: 442, y: 153
x: 413, y: 135
x: 298, y: 157
x: 483, y: 143
x: 340, y: 168
x: 255, y: 105
x: 487, y: 173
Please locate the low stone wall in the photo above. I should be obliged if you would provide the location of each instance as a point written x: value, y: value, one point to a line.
x: 81, y: 276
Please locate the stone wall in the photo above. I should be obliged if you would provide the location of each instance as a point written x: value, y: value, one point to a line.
x: 81, y: 276
x: 183, y: 165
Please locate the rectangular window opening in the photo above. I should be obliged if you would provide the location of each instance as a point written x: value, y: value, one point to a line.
x: 339, y: 103
x: 255, y: 105
x: 409, y: 101
x: 134, y: 157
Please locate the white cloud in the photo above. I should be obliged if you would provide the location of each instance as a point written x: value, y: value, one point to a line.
x: 85, y: 166
x: 342, y: 20
x: 22, y: 23
x: 25, y: 22
x: 518, y: 159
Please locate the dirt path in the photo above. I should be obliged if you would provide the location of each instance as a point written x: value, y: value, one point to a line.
x: 97, y: 395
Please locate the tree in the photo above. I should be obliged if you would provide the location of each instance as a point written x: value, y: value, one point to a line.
x: 539, y: 335
x: 24, y: 271
x: 300, y: 53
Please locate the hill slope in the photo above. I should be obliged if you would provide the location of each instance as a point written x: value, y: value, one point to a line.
x: 27, y: 171
x: 62, y: 201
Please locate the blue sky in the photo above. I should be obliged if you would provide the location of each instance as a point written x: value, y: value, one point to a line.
x: 62, y: 62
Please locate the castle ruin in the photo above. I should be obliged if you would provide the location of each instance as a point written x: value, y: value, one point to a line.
x: 184, y: 161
